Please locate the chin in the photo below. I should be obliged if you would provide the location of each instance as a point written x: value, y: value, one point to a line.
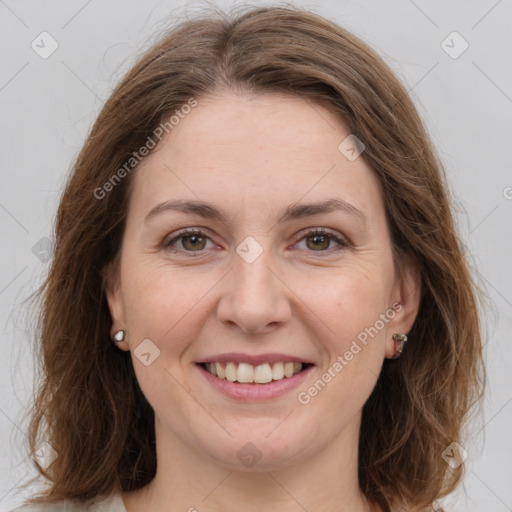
x: 258, y: 449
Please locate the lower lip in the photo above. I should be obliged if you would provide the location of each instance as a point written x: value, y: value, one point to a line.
x: 255, y: 392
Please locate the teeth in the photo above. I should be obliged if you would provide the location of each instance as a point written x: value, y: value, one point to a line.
x: 288, y: 369
x: 247, y: 373
x: 221, y: 372
x: 231, y: 372
x: 278, y: 371
x: 262, y: 374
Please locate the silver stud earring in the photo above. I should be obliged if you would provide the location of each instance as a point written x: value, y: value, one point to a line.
x: 118, y: 336
x: 400, y: 340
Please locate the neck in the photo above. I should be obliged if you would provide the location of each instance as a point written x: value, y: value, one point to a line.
x: 188, y: 481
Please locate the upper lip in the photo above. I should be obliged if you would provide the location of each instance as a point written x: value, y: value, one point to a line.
x: 235, y: 357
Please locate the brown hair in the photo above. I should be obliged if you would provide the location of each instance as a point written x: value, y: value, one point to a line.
x: 89, y: 406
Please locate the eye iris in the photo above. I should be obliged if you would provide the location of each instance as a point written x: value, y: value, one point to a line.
x: 319, y: 241
x: 198, y: 241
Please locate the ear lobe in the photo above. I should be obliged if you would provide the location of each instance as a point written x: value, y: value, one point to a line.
x: 113, y: 294
x: 407, y: 294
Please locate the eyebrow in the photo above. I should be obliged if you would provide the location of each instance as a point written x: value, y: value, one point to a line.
x: 293, y: 211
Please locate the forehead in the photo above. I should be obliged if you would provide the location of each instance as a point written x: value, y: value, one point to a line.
x: 255, y: 153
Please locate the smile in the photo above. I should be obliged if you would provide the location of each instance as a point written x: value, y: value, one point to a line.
x: 253, y: 374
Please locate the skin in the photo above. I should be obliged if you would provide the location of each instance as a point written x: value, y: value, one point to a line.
x: 252, y: 156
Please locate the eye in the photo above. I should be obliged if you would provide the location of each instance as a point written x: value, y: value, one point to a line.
x: 320, y: 240
x: 189, y: 240
x: 193, y: 240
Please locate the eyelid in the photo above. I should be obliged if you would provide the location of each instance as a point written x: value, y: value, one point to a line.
x: 342, y: 241
x: 176, y: 235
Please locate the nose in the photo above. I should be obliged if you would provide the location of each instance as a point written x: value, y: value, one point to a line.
x: 255, y: 297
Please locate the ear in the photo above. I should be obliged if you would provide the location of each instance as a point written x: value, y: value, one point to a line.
x: 406, y: 301
x: 115, y: 302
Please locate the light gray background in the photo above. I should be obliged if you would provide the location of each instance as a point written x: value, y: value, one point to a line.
x: 48, y: 106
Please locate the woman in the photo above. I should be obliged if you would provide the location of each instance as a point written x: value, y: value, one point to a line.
x: 256, y: 228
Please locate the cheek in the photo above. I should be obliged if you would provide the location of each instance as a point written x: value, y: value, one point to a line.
x: 353, y: 344
x: 354, y: 307
x: 158, y: 300
x: 350, y: 299
x: 163, y: 306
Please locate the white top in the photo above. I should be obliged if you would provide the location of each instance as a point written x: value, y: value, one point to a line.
x: 113, y: 503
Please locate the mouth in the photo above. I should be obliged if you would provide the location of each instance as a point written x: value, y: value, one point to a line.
x: 254, y: 377
x: 260, y: 374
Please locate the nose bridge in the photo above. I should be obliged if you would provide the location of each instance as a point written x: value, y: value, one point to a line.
x: 253, y: 277
x: 254, y: 297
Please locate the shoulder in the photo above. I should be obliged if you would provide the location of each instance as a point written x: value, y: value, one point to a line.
x: 112, y: 503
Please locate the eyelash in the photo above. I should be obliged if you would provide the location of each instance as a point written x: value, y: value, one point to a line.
x: 167, y: 243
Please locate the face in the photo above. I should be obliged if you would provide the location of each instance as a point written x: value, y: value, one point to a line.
x: 224, y: 270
